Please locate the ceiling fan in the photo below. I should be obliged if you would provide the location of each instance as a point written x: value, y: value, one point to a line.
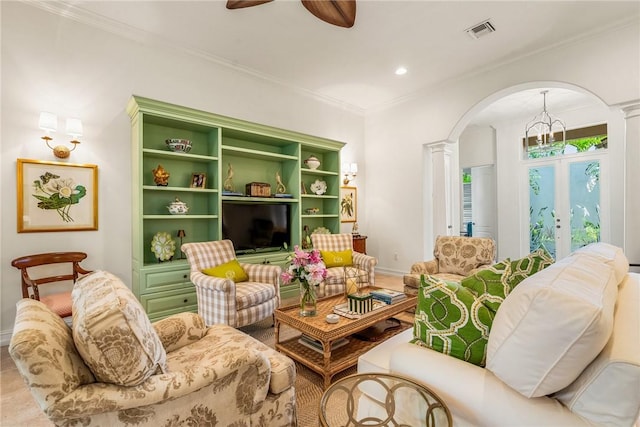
x: 337, y: 12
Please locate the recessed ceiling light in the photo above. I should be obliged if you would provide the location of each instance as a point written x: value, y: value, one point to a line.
x: 401, y: 71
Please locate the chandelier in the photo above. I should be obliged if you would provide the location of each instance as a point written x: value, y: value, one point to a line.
x: 543, y: 131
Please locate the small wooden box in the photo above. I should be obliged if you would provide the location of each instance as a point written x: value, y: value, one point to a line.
x: 258, y: 189
x: 360, y: 303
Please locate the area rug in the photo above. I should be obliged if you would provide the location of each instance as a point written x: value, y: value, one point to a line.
x: 308, y: 383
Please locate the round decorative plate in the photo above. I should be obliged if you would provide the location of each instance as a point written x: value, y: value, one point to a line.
x: 163, y: 246
x: 321, y: 230
x: 319, y: 187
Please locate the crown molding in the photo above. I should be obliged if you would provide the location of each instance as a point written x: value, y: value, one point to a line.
x: 70, y: 11
x: 618, y: 25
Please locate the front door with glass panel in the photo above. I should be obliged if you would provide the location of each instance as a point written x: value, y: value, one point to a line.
x: 566, y: 204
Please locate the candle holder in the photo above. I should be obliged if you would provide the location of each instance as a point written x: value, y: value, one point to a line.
x: 355, y: 281
x: 181, y: 235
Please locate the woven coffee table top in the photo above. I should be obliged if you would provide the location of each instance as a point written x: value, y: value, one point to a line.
x: 317, y: 327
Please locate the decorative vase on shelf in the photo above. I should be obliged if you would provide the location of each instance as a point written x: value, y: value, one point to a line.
x: 308, y: 299
x: 160, y: 176
x: 312, y: 162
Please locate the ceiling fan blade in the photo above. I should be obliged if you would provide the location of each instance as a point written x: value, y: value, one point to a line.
x: 238, y: 4
x: 337, y: 12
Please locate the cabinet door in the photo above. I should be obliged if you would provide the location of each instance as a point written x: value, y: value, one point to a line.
x: 162, y: 304
x: 157, y: 281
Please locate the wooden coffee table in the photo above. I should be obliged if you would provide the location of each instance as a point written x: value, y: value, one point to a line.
x: 328, y: 363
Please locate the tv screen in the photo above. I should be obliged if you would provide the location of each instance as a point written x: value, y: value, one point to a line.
x: 256, y: 227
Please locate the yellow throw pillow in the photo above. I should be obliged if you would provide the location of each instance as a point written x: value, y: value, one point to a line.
x: 231, y: 270
x: 337, y: 258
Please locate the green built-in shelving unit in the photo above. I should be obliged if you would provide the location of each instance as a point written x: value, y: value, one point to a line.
x: 256, y: 152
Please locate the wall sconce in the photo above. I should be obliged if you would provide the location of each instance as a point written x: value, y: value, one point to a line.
x: 49, y: 123
x: 350, y: 170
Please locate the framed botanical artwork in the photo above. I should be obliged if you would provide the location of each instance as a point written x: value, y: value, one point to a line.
x: 56, y: 196
x: 348, y: 204
x: 198, y: 180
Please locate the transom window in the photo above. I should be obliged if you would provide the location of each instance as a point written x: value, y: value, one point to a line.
x: 588, y: 138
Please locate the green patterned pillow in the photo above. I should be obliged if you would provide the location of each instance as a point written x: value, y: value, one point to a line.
x: 491, y: 285
x: 529, y: 265
x: 450, y: 319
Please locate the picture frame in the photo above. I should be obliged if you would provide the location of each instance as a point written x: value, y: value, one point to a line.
x: 198, y: 180
x: 348, y: 204
x: 56, y: 196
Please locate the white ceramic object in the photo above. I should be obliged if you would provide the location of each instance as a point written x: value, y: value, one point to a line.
x: 332, y: 318
x: 178, y: 207
x: 321, y: 230
x: 312, y: 162
x: 179, y: 145
x: 319, y: 187
x: 163, y: 246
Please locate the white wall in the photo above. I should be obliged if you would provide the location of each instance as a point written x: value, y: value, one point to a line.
x: 399, y: 212
x: 477, y: 146
x: 54, y: 64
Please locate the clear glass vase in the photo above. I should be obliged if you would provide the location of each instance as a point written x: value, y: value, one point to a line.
x: 308, y: 300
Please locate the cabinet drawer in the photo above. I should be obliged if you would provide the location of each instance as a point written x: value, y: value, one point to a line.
x: 165, y: 280
x: 163, y: 304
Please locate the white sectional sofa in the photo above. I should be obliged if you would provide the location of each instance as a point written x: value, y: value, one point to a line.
x: 544, y: 342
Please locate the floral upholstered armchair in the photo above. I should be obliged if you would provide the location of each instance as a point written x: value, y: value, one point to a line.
x: 117, y: 368
x: 455, y: 257
x: 339, y: 243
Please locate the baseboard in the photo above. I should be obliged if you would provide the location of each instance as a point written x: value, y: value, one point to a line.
x: 391, y: 272
x: 5, y: 337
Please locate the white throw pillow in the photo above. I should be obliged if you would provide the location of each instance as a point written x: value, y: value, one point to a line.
x: 553, y: 325
x: 612, y: 255
x: 607, y: 392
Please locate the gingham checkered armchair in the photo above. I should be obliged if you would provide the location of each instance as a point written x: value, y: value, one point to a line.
x: 223, y: 300
x: 334, y: 282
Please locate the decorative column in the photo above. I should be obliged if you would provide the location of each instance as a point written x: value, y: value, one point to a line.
x: 438, y: 192
x: 632, y: 184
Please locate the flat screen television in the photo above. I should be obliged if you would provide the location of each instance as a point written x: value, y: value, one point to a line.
x: 256, y: 227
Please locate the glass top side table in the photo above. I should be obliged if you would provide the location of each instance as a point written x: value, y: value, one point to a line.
x: 390, y: 400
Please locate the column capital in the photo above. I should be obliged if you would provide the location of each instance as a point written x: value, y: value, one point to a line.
x: 440, y: 146
x: 630, y: 109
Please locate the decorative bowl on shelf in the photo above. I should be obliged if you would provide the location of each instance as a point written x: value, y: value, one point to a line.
x: 178, y: 207
x: 179, y: 145
x: 312, y: 211
x: 321, y: 230
x: 312, y: 162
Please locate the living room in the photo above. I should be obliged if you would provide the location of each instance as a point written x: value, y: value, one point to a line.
x: 62, y: 58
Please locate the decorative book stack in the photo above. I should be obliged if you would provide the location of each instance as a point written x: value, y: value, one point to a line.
x: 387, y: 296
x: 316, y: 345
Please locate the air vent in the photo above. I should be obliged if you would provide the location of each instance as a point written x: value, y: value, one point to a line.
x: 481, y: 29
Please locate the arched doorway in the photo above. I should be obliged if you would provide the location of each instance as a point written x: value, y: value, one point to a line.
x: 506, y: 112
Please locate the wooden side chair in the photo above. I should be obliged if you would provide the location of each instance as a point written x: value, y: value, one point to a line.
x: 59, y: 302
